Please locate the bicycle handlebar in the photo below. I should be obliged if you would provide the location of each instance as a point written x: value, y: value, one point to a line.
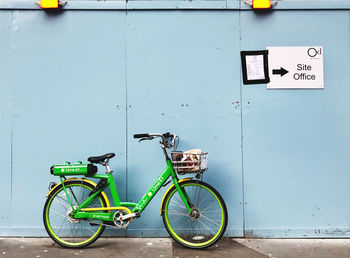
x: 151, y: 136
x: 141, y: 135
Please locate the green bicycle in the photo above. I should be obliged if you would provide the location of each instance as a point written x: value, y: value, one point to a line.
x: 77, y: 210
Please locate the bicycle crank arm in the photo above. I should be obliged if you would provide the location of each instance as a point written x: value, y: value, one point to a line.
x: 129, y: 216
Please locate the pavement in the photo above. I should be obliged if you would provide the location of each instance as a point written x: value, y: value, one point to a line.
x: 165, y: 247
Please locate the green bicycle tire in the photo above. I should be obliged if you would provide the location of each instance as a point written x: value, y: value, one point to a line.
x: 190, y: 232
x: 46, y: 215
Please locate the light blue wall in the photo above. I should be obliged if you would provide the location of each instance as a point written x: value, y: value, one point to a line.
x: 81, y: 82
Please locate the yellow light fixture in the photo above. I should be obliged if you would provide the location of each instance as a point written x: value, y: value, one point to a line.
x: 45, y: 4
x: 261, y: 4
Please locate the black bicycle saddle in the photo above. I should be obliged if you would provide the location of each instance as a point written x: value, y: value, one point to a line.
x: 99, y: 159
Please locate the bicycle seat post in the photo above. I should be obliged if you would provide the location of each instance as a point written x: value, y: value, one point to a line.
x: 108, y: 168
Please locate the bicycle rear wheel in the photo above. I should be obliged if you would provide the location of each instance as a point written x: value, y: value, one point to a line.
x: 63, y: 229
x: 207, y: 222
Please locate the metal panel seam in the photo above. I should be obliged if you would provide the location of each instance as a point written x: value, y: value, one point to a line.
x: 126, y: 105
x: 11, y: 178
x: 11, y: 99
x: 241, y: 110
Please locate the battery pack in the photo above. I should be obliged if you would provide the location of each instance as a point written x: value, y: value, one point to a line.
x: 73, y: 170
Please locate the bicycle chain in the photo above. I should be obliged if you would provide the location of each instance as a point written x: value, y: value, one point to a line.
x: 103, y: 224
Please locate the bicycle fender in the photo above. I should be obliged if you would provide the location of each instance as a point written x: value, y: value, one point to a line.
x: 167, y: 191
x: 84, y: 179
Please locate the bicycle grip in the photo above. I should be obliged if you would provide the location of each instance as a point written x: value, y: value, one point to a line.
x: 141, y: 135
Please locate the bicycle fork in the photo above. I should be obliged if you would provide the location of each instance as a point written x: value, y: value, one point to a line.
x: 184, y: 196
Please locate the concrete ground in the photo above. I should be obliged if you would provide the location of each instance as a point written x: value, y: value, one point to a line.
x: 165, y: 247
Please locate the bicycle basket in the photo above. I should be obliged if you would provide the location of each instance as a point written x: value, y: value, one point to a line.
x: 191, y: 161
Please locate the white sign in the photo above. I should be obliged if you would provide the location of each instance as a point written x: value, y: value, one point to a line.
x: 255, y: 67
x: 295, y: 67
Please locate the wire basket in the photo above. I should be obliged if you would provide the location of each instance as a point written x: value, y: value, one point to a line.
x: 189, y: 162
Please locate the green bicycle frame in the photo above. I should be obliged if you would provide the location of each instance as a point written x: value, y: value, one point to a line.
x: 136, y: 207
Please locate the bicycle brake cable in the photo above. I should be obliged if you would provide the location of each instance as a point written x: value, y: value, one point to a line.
x: 147, y: 138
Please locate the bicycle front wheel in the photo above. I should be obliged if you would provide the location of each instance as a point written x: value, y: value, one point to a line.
x: 207, y: 221
x: 64, y: 229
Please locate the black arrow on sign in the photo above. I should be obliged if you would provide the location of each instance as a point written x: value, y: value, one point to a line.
x: 281, y: 71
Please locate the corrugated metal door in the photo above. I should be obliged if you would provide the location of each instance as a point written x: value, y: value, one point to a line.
x: 297, y: 142
x: 63, y: 97
x: 183, y: 77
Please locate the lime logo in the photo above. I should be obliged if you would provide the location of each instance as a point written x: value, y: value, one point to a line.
x: 72, y: 169
x: 149, y: 194
x: 99, y: 216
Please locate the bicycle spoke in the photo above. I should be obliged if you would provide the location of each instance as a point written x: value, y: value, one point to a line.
x: 211, y: 211
x: 206, y: 226
x: 198, y: 227
x: 179, y: 204
x: 199, y: 192
x: 209, y: 206
x: 211, y: 220
x: 64, y: 221
x: 204, y: 201
x: 177, y: 213
x: 57, y: 213
x: 177, y: 219
x: 71, y: 230
x: 91, y: 230
x: 65, y: 205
